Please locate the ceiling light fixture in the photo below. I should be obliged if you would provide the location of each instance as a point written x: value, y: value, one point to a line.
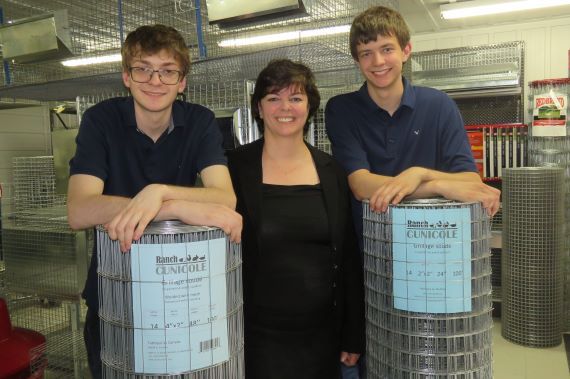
x: 286, y: 36
x: 92, y: 60
x: 485, y: 7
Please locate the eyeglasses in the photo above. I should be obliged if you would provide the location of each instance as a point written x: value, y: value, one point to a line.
x: 144, y: 75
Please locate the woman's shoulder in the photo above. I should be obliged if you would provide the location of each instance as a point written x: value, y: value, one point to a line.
x: 324, y: 158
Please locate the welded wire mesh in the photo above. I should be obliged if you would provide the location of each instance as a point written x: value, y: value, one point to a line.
x: 43, y: 256
x: 491, y: 109
x: 473, y: 67
x: 124, y: 331
x: 485, y: 80
x: 436, y: 343
x: 100, y: 29
x: 60, y: 323
x: 496, y: 273
x: 533, y: 256
x: 553, y: 150
x: 34, y: 183
x: 50, y: 263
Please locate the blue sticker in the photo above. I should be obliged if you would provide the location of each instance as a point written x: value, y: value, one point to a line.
x: 433, y: 248
x: 179, y: 306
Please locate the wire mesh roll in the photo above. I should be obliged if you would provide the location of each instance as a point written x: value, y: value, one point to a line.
x: 549, y: 146
x: 443, y: 340
x: 533, y: 256
x: 172, y: 307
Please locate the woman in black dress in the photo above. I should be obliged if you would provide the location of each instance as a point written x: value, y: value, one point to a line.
x: 302, y: 271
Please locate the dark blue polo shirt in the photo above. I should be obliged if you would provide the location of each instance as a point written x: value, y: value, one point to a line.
x: 426, y: 130
x: 110, y: 147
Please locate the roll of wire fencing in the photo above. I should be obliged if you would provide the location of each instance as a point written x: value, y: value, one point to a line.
x: 172, y: 306
x: 549, y: 146
x: 427, y: 274
x: 533, y: 256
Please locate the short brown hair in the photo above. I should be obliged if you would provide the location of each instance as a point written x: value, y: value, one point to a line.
x: 151, y: 39
x: 377, y: 20
x: 280, y: 74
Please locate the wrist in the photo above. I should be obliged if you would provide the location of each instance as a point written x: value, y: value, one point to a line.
x: 427, y: 175
x: 162, y: 190
x: 433, y: 186
x: 168, y: 210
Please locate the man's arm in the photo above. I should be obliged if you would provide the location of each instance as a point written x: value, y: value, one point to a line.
x: 86, y: 204
x: 419, y: 182
x: 129, y: 223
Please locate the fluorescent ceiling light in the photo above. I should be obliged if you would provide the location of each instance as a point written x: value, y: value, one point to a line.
x: 486, y: 7
x: 287, y: 36
x: 92, y: 60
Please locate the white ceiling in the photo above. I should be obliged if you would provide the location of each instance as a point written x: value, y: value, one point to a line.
x: 423, y: 16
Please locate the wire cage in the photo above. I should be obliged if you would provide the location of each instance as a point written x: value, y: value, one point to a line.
x: 63, y: 355
x: 470, y: 68
x: 100, y: 29
x: 43, y: 256
x: 45, y: 267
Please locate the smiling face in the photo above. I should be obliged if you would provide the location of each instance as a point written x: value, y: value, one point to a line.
x: 284, y: 112
x: 381, y: 62
x: 154, y: 97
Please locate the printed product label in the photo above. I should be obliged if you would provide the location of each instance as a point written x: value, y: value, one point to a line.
x: 179, y: 306
x: 549, y: 114
x: 432, y: 260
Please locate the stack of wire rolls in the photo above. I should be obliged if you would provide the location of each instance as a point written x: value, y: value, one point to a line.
x: 417, y: 323
x: 171, y: 307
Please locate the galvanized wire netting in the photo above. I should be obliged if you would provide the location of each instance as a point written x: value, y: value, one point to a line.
x: 553, y: 150
x: 191, y: 323
x: 43, y: 256
x: 45, y: 266
x: 100, y: 29
x: 533, y: 256
x: 61, y: 323
x: 413, y: 327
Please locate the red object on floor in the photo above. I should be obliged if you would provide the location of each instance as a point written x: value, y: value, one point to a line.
x: 15, y: 347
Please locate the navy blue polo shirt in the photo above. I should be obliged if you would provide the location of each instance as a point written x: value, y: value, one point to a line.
x: 426, y: 130
x: 110, y: 147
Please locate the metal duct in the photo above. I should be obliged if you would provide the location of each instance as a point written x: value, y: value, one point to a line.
x: 428, y: 291
x: 533, y: 255
x: 222, y: 12
x: 172, y: 307
x: 36, y: 39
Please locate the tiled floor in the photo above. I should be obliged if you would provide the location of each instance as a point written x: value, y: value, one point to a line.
x: 511, y: 361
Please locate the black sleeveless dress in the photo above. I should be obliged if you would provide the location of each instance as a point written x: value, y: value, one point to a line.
x: 289, y: 331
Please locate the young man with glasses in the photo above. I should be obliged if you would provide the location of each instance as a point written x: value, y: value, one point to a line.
x: 138, y: 157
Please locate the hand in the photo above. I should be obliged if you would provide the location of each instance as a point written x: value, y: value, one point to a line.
x: 349, y: 359
x: 471, y: 191
x: 208, y: 214
x: 130, y: 223
x: 394, y: 190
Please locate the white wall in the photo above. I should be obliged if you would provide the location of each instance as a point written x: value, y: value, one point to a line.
x: 23, y: 132
x: 546, y: 44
